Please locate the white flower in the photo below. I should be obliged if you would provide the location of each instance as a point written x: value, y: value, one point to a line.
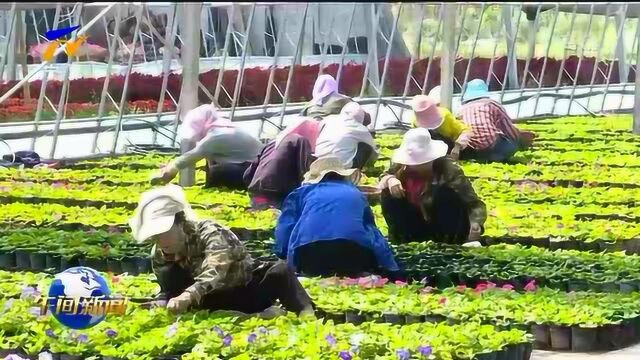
x: 45, y: 356
x: 356, y: 339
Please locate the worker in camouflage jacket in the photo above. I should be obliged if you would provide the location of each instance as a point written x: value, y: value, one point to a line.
x: 201, y: 264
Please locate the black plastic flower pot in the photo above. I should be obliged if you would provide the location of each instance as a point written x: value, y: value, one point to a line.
x: 129, y: 266
x: 486, y: 356
x: 320, y: 314
x: 558, y: 284
x: 560, y: 337
x: 144, y: 265
x: 576, y: 285
x: 393, y: 318
x: 434, y: 318
x: 443, y: 280
x: 95, y: 264
x: 610, y: 337
x: 541, y: 335
x: 70, y: 357
x: 584, y: 339
x: 627, y: 287
x: 337, y: 318
x: 627, y: 332
x: 38, y: 261
x: 527, y: 349
x: 354, y: 317
x: 372, y: 317
x: 504, y: 354
x: 8, y: 260
x: 608, y: 287
x: 52, y: 261
x: 413, y: 319
x: 23, y: 260
x: 114, y: 266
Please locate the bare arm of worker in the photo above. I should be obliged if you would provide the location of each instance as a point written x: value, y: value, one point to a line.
x: 226, y: 262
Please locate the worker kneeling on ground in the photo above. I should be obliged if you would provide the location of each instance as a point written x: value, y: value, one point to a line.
x: 201, y: 264
x: 327, y: 226
x: 228, y: 149
x: 494, y: 137
x: 441, y: 123
x: 426, y: 195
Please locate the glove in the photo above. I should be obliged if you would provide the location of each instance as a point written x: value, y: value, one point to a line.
x: 475, y: 231
x: 472, y: 244
x: 180, y: 303
x: 395, y: 188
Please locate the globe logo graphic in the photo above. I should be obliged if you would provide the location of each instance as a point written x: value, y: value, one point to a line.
x: 77, y: 282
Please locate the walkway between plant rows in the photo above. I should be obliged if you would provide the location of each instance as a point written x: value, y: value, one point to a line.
x: 630, y: 353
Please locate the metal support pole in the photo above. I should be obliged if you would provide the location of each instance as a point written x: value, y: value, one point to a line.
x: 190, y: 72
x: 65, y: 91
x: 448, y: 54
x: 511, y: 72
x: 620, y: 33
x: 113, y: 46
x: 623, y: 70
x: 371, y: 72
x: 10, y: 44
x: 245, y: 51
x: 636, y: 108
x: 386, y: 65
x: 564, y: 58
x: 584, y: 45
x: 546, y: 57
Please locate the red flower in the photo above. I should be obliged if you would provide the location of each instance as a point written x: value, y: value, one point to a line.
x: 443, y: 301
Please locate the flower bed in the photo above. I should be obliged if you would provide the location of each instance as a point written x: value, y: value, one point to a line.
x: 148, y: 334
x: 16, y: 110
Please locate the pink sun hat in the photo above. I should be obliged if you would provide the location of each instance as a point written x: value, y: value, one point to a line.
x: 427, y: 113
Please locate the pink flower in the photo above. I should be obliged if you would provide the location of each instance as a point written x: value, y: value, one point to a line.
x: 443, y: 301
x: 427, y: 290
x: 400, y: 283
x: 508, y: 287
x: 461, y: 288
x: 531, y: 286
x: 381, y: 282
x: 349, y: 282
x: 480, y: 288
x: 490, y: 285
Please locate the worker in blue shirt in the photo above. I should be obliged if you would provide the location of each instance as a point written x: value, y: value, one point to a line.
x: 327, y: 226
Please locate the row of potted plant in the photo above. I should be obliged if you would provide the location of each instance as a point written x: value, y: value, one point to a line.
x: 575, y: 321
x: 47, y: 248
x: 149, y: 334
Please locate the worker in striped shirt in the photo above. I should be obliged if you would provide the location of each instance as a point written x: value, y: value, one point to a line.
x: 494, y: 137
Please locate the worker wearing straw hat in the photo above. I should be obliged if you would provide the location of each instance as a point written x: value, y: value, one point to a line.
x: 426, y: 195
x: 326, y: 98
x: 442, y: 124
x: 327, y: 226
x: 228, y: 150
x: 494, y: 136
x: 200, y: 264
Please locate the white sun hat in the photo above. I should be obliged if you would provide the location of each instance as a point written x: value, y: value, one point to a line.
x: 435, y: 94
x: 418, y: 148
x: 323, y: 166
x: 156, y: 211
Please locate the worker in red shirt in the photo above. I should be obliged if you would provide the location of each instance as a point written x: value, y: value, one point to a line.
x: 494, y: 138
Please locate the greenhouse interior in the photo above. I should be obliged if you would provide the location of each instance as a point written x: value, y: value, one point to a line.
x: 319, y: 181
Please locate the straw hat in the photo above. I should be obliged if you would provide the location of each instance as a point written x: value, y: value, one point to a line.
x: 476, y: 89
x: 435, y: 94
x: 418, y: 148
x: 156, y: 211
x: 324, y: 166
x: 427, y: 113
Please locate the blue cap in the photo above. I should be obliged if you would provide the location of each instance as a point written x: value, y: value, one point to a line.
x: 476, y: 89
